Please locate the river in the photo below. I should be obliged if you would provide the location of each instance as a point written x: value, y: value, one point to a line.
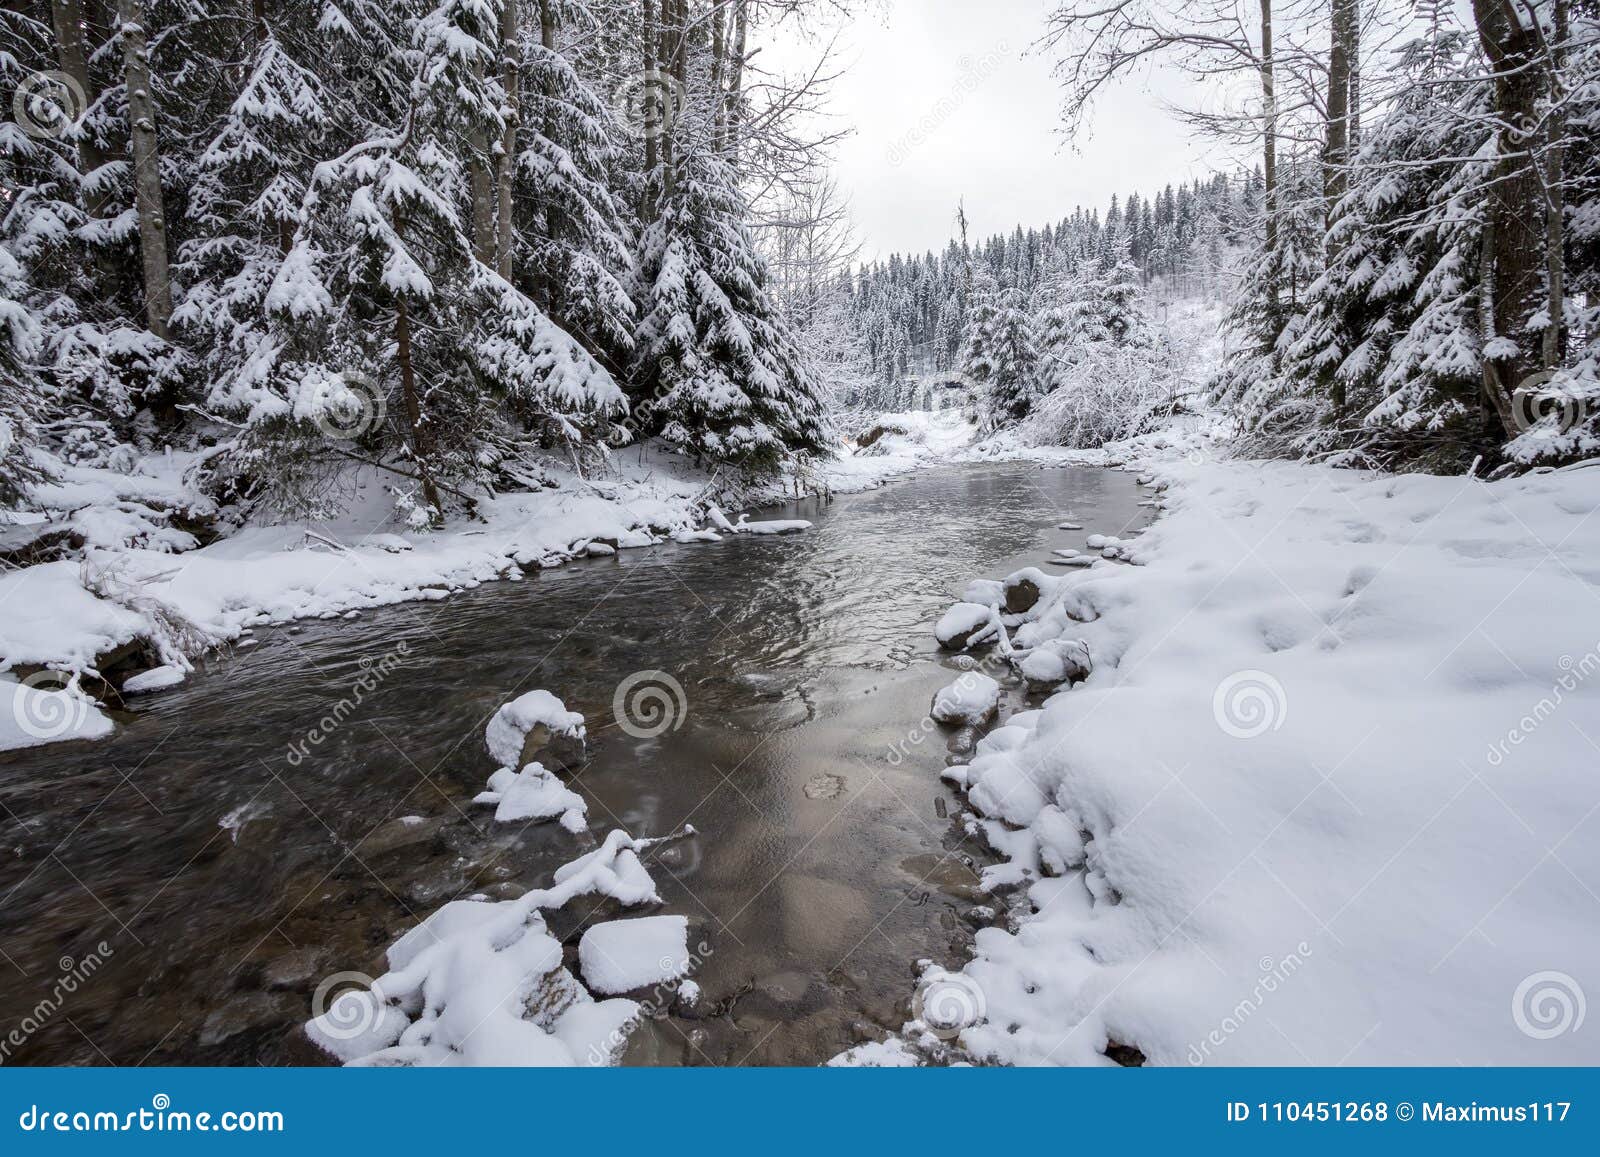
x: 214, y: 880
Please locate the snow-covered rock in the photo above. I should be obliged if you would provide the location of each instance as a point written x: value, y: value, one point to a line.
x: 155, y: 679
x: 483, y: 984
x: 1022, y: 589
x: 34, y: 715
x: 629, y: 955
x: 965, y: 625
x: 985, y: 592
x: 973, y: 698
x: 772, y: 526
x: 530, y: 721
x: 1057, y: 661
x: 533, y: 793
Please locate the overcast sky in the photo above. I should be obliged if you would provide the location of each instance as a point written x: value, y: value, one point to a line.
x: 947, y: 103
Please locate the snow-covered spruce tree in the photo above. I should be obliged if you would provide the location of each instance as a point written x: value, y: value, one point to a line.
x: 976, y: 361
x: 383, y: 299
x: 718, y: 374
x: 1384, y: 359
x: 572, y: 237
x: 1055, y: 323
x: 1003, y: 358
x: 95, y: 367
x: 246, y: 198
x: 34, y: 224
x: 21, y: 401
x: 1116, y: 300
x: 1271, y: 293
x: 1096, y: 303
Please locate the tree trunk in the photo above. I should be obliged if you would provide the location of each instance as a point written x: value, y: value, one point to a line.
x: 719, y: 98
x: 648, y: 58
x: 146, y: 150
x: 1555, y: 193
x: 1269, y: 131
x: 671, y: 58
x: 1494, y: 389
x: 421, y: 436
x: 1516, y: 197
x: 483, y: 196
x: 1336, y: 151
x: 68, y: 18
x: 1353, y: 48
x: 506, y: 163
x: 741, y: 33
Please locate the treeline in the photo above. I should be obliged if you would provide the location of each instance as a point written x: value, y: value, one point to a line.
x: 914, y: 313
x: 1421, y: 289
x: 437, y: 236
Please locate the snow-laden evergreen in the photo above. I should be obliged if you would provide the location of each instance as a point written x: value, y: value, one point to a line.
x: 718, y: 372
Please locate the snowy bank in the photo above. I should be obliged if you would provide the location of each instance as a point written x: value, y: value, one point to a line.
x: 144, y: 596
x: 1327, y: 795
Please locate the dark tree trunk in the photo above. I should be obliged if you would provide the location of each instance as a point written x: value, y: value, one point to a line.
x: 421, y: 435
x: 648, y: 209
x: 506, y: 162
x: 1555, y: 193
x: 1269, y: 130
x: 146, y: 150
x: 1516, y: 210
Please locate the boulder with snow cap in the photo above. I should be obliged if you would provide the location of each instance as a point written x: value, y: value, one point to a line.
x: 1057, y: 661
x: 965, y: 625
x: 985, y: 592
x: 536, y: 727
x: 973, y: 699
x: 1024, y: 589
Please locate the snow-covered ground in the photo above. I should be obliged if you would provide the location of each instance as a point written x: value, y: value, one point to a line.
x: 140, y: 580
x: 1328, y: 796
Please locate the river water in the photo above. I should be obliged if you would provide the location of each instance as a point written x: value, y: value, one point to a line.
x: 196, y: 883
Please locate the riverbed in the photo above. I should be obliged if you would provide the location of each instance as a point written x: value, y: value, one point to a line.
x: 216, y: 865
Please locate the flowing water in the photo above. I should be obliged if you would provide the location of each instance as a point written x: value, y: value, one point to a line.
x: 176, y: 893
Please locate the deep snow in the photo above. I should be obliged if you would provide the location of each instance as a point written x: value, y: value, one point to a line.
x: 1327, y: 797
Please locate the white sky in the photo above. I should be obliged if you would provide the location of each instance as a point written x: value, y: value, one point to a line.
x: 947, y: 103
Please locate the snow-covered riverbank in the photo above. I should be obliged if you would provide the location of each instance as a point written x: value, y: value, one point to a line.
x: 1327, y: 797
x: 143, y: 592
